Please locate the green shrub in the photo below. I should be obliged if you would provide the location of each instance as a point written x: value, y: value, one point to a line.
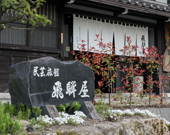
x: 63, y: 108
x: 27, y: 112
x: 19, y: 115
x: 36, y: 111
x: 11, y: 126
x: 7, y: 124
x: 75, y: 106
x: 100, y: 106
x: 72, y: 122
x: 32, y: 122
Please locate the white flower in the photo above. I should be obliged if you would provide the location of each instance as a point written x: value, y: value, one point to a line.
x: 64, y: 118
x: 80, y: 114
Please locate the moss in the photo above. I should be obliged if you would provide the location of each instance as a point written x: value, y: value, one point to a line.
x: 138, y: 127
x: 58, y: 133
x: 66, y: 133
x: 34, y: 134
x: 146, y: 122
x: 13, y: 84
x: 72, y: 133
x: 158, y: 126
x: 121, y: 132
x: 168, y: 126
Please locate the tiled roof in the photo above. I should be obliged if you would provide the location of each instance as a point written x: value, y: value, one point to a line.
x: 146, y: 6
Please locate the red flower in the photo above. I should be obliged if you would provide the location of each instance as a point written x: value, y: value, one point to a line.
x: 97, y: 35
x: 100, y: 83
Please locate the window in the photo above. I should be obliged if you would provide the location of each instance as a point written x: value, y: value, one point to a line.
x: 13, y: 36
x: 40, y: 37
x: 46, y: 36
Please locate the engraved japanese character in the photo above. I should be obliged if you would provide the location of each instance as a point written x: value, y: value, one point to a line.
x: 42, y: 71
x: 57, y: 90
x: 71, y: 88
x: 84, y: 90
x: 35, y: 71
x: 143, y: 43
x: 56, y: 72
x: 49, y: 72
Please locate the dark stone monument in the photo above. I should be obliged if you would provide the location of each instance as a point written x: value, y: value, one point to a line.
x: 47, y: 81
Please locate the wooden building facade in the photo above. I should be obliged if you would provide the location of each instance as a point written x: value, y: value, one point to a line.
x: 57, y: 40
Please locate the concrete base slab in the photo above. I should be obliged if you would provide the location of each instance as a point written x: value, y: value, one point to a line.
x: 5, y: 97
x: 165, y: 113
x: 156, y: 111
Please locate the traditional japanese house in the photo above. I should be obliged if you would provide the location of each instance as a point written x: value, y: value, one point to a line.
x: 145, y: 21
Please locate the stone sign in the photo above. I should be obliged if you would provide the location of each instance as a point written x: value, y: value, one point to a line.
x: 47, y: 81
x: 50, y: 110
x: 90, y: 111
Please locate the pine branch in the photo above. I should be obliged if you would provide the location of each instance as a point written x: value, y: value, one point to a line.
x: 12, y: 20
x: 18, y: 18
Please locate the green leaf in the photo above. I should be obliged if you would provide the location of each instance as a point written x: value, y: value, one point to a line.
x: 25, y: 8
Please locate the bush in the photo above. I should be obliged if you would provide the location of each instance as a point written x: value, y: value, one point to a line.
x: 63, y: 108
x: 12, y: 126
x: 75, y: 106
x: 7, y: 124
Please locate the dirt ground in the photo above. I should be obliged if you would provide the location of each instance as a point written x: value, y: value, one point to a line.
x: 122, y: 101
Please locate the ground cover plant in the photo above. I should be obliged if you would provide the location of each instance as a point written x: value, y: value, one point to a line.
x: 11, y: 115
x: 7, y: 124
x: 78, y: 118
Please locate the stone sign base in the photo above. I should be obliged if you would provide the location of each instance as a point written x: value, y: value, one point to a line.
x: 89, y: 110
x: 50, y: 110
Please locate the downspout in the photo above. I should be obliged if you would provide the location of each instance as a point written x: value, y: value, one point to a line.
x: 126, y: 11
x: 71, y: 1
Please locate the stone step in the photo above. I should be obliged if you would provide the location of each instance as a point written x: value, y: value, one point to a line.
x: 5, y: 97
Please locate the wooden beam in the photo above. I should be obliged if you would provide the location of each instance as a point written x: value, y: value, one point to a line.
x: 25, y: 48
x: 113, y: 18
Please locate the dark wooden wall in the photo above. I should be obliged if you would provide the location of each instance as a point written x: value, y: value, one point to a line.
x: 10, y: 57
x: 12, y: 52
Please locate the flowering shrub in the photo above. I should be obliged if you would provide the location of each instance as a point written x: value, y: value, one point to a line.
x: 153, y: 61
x: 104, y: 62
x: 131, y: 69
